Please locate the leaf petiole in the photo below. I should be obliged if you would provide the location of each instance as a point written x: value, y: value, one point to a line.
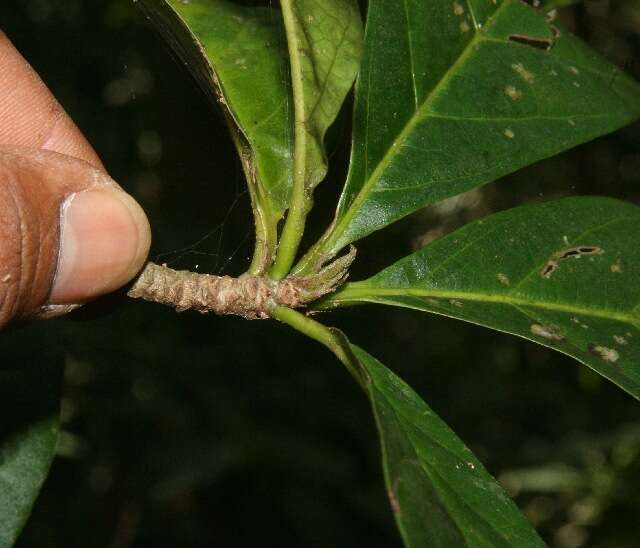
x: 331, y: 338
x: 300, y: 198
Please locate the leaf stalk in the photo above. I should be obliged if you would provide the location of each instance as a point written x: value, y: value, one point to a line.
x: 331, y: 338
x: 300, y: 197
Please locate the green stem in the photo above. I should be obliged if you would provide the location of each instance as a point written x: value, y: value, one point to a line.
x: 266, y: 238
x: 333, y: 339
x: 299, y: 205
x: 266, y: 228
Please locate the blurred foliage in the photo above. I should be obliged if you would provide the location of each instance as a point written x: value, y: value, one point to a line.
x: 193, y: 431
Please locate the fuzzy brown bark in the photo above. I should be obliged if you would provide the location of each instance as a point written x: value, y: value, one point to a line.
x: 246, y: 296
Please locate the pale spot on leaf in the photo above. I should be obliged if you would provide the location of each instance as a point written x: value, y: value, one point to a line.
x: 512, y: 93
x: 604, y: 353
x: 620, y: 340
x: 546, y: 332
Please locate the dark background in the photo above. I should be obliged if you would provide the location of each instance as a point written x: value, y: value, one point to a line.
x: 191, y: 431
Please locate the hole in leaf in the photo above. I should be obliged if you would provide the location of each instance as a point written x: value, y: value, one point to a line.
x: 538, y: 43
x: 576, y: 252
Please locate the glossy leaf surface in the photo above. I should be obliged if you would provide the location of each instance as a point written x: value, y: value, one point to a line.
x: 455, y: 94
x: 440, y: 493
x: 563, y: 273
x: 325, y: 46
x: 30, y: 386
x: 239, y: 56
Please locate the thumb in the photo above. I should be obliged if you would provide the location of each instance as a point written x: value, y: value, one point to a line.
x: 68, y: 233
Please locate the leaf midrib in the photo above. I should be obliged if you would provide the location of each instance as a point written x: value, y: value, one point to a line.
x: 377, y: 173
x: 370, y: 294
x: 399, y: 420
x: 445, y: 493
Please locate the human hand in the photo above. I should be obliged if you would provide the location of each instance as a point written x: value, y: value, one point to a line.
x: 68, y: 232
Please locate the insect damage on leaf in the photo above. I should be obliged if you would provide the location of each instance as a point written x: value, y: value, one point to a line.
x: 620, y: 340
x: 617, y: 267
x: 604, y: 353
x: 573, y: 252
x: 512, y: 93
x: 532, y: 41
x: 525, y: 74
x: 546, y: 332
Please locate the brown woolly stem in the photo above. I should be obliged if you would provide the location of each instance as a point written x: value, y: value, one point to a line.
x: 247, y: 296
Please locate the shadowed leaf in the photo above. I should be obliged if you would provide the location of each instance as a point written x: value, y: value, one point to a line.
x: 440, y: 493
x: 239, y: 57
x: 30, y: 387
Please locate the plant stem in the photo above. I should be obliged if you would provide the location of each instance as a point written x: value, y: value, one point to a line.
x: 247, y: 296
x: 266, y: 237
x: 266, y: 227
x: 331, y: 338
x: 299, y: 205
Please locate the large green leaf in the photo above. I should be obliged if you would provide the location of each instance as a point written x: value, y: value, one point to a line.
x: 325, y: 46
x: 239, y: 56
x: 30, y: 385
x: 440, y: 493
x: 563, y: 273
x: 455, y: 94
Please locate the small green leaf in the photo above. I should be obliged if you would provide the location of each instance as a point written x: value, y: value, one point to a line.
x: 563, y: 273
x: 239, y: 57
x: 325, y: 46
x: 440, y: 493
x: 30, y: 386
x: 468, y: 92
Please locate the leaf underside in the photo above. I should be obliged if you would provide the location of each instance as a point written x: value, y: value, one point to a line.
x: 440, y: 494
x: 30, y: 388
x: 327, y: 44
x: 562, y: 273
x: 455, y: 94
x: 239, y: 57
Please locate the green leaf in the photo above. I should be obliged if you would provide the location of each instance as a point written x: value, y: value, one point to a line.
x: 30, y: 386
x: 239, y: 57
x: 563, y: 273
x: 240, y: 53
x: 325, y: 46
x: 455, y: 94
x: 440, y: 493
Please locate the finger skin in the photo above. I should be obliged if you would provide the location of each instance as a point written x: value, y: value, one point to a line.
x: 30, y: 115
x: 33, y: 186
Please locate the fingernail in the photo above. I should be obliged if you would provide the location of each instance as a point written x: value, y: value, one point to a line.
x: 104, y: 241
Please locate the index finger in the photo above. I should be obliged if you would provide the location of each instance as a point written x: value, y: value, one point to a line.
x: 30, y: 115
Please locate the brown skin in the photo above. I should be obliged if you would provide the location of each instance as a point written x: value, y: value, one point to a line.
x: 44, y: 159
